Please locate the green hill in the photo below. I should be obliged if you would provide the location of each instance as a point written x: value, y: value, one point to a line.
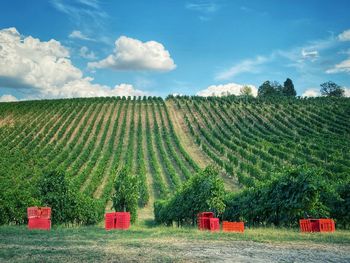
x: 165, y: 142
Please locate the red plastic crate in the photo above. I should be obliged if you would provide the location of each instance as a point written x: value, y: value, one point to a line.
x: 317, y: 225
x: 39, y: 223
x: 214, y: 224
x: 326, y: 225
x: 39, y: 212
x: 203, y: 220
x: 305, y: 225
x: 32, y: 212
x: 233, y: 226
x: 117, y: 220
x: 109, y: 221
x: 45, y: 212
x: 122, y: 220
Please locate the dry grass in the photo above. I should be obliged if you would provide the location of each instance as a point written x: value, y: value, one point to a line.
x: 147, y: 243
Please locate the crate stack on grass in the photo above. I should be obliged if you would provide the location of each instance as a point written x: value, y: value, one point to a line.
x: 117, y: 220
x: 317, y: 225
x: 39, y: 218
x: 207, y: 221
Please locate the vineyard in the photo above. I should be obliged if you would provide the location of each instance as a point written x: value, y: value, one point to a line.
x: 164, y: 143
x: 91, y: 139
x: 252, y: 138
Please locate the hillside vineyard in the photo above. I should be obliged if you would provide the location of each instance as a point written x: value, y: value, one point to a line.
x: 91, y: 139
x: 164, y: 142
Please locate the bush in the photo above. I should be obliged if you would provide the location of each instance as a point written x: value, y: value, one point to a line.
x: 68, y: 205
x: 126, y: 194
x: 202, y: 192
x: 291, y: 195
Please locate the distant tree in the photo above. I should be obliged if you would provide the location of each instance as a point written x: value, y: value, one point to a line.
x: 288, y: 88
x: 331, y: 89
x: 270, y: 88
x: 246, y: 91
x: 126, y: 194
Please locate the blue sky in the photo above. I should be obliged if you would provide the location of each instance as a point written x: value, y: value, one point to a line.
x: 103, y: 48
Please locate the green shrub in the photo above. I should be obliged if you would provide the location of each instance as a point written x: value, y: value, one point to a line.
x: 202, y: 192
x: 67, y: 204
x: 125, y: 198
x: 290, y: 195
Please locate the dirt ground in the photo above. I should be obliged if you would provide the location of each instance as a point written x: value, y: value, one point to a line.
x: 173, y: 250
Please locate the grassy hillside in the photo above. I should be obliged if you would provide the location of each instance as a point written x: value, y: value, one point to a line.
x: 165, y: 142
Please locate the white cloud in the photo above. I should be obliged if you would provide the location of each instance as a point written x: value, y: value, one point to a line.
x: 45, y: 70
x: 312, y: 55
x: 7, y: 98
x: 76, y: 34
x: 203, y: 6
x: 347, y: 92
x: 225, y: 89
x: 85, y: 53
x: 132, y: 54
x: 247, y: 65
x: 345, y: 36
x: 311, y: 93
x: 343, y: 66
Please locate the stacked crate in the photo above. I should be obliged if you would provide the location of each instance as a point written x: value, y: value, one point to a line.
x: 39, y: 218
x: 207, y: 221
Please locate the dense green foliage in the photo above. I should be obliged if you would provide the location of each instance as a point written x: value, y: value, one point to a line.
x: 283, y: 200
x: 17, y: 187
x: 273, y: 88
x: 202, y: 192
x: 67, y: 205
x: 288, y: 88
x: 126, y: 193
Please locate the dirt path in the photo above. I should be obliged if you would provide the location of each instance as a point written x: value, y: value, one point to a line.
x: 188, y: 144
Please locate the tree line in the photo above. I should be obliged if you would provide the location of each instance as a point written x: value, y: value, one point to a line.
x: 274, y: 88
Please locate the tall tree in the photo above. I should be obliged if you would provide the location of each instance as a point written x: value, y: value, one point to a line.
x: 331, y: 89
x: 288, y: 88
x: 126, y: 193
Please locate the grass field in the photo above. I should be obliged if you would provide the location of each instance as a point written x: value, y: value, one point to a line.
x: 147, y: 243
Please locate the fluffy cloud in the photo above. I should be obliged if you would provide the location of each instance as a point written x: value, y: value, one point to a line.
x: 311, y: 93
x: 132, y: 54
x: 85, y: 53
x: 45, y: 69
x: 225, y: 89
x: 248, y: 65
x: 7, y: 98
x: 343, y: 66
x: 345, y: 36
x: 76, y: 34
